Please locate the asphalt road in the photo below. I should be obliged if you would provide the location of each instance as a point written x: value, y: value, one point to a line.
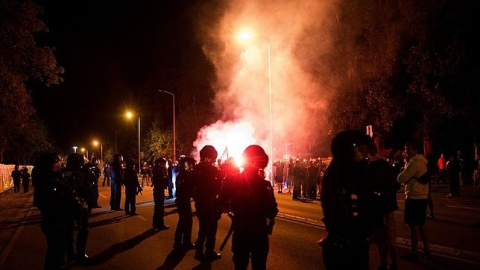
x: 117, y: 241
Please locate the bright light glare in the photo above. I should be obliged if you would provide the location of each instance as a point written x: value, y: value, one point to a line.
x: 129, y: 114
x: 95, y: 143
x: 238, y: 160
x: 245, y: 35
x: 229, y: 138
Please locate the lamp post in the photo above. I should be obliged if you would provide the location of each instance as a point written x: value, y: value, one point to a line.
x: 173, y: 113
x: 270, y: 110
x: 247, y: 36
x: 101, y: 149
x: 130, y: 115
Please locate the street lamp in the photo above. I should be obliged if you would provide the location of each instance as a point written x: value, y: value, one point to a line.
x: 130, y: 115
x: 174, y: 143
x: 75, y: 149
x: 101, y: 149
x: 246, y: 36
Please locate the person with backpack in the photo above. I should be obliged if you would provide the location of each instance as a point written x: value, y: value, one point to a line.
x: 415, y: 178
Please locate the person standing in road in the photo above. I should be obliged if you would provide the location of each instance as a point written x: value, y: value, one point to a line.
x: 313, y: 174
x: 95, y: 171
x: 442, y: 166
x: 207, y: 184
x: 116, y: 177
x: 454, y: 168
x: 476, y: 170
x: 171, y: 171
x: 184, y: 184
x: 80, y: 181
x: 25, y: 179
x: 383, y: 185
x: 160, y: 183
x: 54, y: 199
x: 252, y: 206
x: 16, y: 176
x: 144, y: 172
x: 345, y: 200
x: 132, y: 187
x: 299, y: 173
x: 279, y: 179
x: 290, y: 177
x: 106, y: 175
x: 416, y: 196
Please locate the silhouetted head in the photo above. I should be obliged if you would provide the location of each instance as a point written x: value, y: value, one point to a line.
x: 75, y: 161
x: 209, y: 152
x: 349, y: 144
x: 160, y: 162
x: 255, y: 157
x: 130, y: 163
x: 118, y: 158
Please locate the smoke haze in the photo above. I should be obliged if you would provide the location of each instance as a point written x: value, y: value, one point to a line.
x: 294, y: 32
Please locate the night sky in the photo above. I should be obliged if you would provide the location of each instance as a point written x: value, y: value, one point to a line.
x: 115, y: 54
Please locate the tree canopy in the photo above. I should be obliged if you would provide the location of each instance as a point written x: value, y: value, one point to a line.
x: 22, y: 64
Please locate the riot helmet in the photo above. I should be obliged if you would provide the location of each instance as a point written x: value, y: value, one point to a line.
x: 186, y: 163
x: 159, y: 161
x: 254, y: 156
x: 345, y: 143
x: 208, y: 151
x: 130, y: 163
x: 95, y: 161
x: 75, y: 160
x: 117, y: 158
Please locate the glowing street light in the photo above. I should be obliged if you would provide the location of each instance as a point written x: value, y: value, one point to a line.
x: 75, y: 149
x: 173, y: 111
x: 129, y: 115
x: 246, y: 36
x: 95, y: 143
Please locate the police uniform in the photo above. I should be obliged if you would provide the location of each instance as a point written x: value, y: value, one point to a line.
x: 79, y: 180
x: 159, y: 182
x: 207, y: 185
x: 346, y: 204
x: 54, y: 199
x: 184, y: 185
x: 132, y: 187
x: 253, y: 208
x: 116, y: 178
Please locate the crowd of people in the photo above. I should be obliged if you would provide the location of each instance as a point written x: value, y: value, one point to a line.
x: 357, y: 189
x: 358, y: 198
x: 66, y: 193
x: 299, y: 176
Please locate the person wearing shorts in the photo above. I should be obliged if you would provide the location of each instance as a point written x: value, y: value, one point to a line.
x: 416, y: 196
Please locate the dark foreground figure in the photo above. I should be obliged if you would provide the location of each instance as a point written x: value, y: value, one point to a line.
x: 252, y: 207
x: 345, y: 203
